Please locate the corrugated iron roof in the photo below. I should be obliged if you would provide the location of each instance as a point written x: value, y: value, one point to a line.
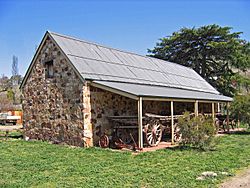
x: 162, y: 92
x: 96, y: 62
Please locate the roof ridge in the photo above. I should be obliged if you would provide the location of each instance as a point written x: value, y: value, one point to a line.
x: 111, y: 48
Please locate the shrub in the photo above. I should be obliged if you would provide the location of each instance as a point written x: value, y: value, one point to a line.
x: 198, y: 132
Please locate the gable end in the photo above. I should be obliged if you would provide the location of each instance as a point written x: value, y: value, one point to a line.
x: 47, y: 36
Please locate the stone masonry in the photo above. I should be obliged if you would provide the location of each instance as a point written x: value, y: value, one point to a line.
x: 104, y: 104
x: 53, y: 107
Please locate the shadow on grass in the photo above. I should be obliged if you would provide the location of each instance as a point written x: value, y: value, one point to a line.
x: 16, y: 136
x: 246, y: 132
x: 243, y: 132
x: 11, y: 136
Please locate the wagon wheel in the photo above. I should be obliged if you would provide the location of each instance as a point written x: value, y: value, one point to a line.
x: 104, y: 141
x: 177, y: 134
x: 153, y: 132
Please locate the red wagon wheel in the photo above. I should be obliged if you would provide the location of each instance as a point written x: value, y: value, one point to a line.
x: 104, y: 141
x: 153, y: 132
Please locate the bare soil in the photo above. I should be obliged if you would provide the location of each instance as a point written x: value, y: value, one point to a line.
x: 240, y: 180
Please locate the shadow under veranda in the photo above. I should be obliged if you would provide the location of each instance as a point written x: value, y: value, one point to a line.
x: 238, y: 132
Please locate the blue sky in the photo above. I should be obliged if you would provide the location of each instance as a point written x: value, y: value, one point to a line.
x: 129, y: 25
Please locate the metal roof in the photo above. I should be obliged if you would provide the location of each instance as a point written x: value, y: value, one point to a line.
x: 130, y: 74
x: 96, y: 62
x: 162, y: 92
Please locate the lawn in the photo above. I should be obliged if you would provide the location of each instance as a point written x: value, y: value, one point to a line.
x: 40, y: 164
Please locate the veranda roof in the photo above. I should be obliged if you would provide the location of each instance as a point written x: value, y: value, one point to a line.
x: 139, y: 90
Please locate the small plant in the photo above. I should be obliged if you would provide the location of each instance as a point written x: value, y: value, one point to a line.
x: 197, y: 132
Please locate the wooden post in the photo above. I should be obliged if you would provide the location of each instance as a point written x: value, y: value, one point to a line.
x: 172, y: 122
x: 238, y: 122
x: 140, y: 131
x: 213, y: 114
x: 196, y: 107
x: 218, y: 107
x: 228, y: 117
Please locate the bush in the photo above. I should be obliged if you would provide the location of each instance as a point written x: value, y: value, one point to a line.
x: 198, y: 132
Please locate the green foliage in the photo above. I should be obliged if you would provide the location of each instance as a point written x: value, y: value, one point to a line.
x: 5, y: 83
x: 212, y: 51
x: 242, y: 83
x: 40, y: 164
x: 240, y: 108
x: 197, y: 132
x: 11, y: 95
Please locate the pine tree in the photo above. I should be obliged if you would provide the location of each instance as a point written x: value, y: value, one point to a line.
x: 212, y: 51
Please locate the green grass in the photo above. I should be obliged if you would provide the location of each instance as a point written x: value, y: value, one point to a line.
x: 40, y: 164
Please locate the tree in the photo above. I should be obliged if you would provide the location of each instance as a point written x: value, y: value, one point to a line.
x: 15, y: 74
x: 5, y: 83
x: 5, y: 103
x: 15, y: 66
x: 11, y: 95
x: 212, y: 51
x: 240, y: 108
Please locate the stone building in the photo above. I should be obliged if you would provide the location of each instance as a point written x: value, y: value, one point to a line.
x: 72, y: 86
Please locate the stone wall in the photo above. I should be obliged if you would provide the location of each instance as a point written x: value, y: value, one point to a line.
x: 53, y: 107
x: 87, y: 120
x: 156, y: 107
x: 103, y: 104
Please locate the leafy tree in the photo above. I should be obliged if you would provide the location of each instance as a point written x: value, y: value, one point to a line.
x: 212, y: 51
x: 240, y: 108
x: 5, y: 104
x: 11, y: 95
x: 242, y: 83
x: 5, y: 83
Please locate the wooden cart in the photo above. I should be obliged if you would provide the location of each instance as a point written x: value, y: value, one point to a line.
x: 126, y: 129
x: 221, y: 122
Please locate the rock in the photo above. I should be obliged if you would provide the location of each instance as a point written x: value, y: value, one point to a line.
x: 209, y: 174
x: 224, y: 173
x: 200, y: 178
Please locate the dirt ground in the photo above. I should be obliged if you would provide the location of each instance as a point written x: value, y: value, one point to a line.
x: 240, y: 180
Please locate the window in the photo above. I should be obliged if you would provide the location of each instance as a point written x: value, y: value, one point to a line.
x: 49, y: 72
